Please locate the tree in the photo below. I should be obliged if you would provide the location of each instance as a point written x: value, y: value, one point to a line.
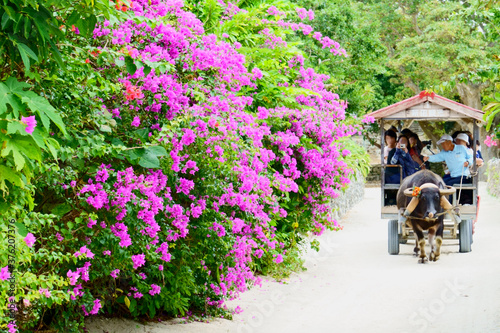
x: 430, y: 42
x: 362, y: 77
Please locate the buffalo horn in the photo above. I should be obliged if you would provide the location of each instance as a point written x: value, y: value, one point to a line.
x: 411, y: 206
x: 409, y: 191
x: 445, y: 203
x: 449, y: 190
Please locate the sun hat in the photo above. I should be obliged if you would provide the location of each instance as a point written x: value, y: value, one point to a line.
x: 464, y: 137
x: 444, y: 138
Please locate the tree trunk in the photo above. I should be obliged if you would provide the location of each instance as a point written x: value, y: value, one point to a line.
x: 429, y: 130
x: 470, y: 94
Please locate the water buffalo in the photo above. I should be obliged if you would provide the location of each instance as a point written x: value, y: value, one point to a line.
x: 425, y: 211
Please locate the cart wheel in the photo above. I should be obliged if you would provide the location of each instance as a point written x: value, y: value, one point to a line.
x: 393, y: 240
x: 465, y: 235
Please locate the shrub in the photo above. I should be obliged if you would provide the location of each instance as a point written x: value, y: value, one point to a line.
x: 180, y: 169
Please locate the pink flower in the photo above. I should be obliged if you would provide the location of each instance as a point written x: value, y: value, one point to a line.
x: 97, y: 306
x: 106, y: 253
x: 4, y: 273
x: 302, y: 12
x: 73, y: 183
x: 30, y: 123
x: 44, y: 291
x: 12, y: 327
x: 59, y: 237
x: 490, y: 141
x: 91, y: 223
x: 115, y: 273
x: 186, y: 186
x: 136, y: 122
x: 30, y: 239
x: 138, y: 260
x: 73, y: 277
x: 154, y: 290
x: 257, y: 73
x: 368, y: 120
x: 188, y: 137
x: 160, y: 267
x: 279, y: 259
x: 84, y: 252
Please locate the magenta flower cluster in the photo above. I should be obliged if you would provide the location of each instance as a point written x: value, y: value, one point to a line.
x: 228, y: 168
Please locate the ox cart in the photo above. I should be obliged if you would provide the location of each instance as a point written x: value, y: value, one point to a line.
x: 429, y: 110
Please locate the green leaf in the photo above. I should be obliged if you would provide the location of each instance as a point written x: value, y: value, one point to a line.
x: 6, y: 97
x: 127, y: 302
x: 21, y: 229
x: 13, y: 14
x: 24, y: 56
x: 119, y: 62
x: 61, y: 209
x: 18, y: 157
x: 15, y: 86
x: 28, y: 51
x: 105, y: 128
x: 133, y: 305
x: 38, y: 135
x: 12, y: 176
x: 131, y: 67
x: 5, y: 19
x: 156, y: 150
x: 75, y: 15
x: 92, y: 21
x: 28, y: 146
x: 149, y: 160
x: 14, y: 127
x: 44, y: 109
x: 142, y: 133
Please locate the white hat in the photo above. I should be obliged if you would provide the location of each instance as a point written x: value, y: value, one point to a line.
x: 464, y: 137
x: 444, y: 138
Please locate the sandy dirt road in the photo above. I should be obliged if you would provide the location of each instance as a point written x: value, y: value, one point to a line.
x: 353, y: 285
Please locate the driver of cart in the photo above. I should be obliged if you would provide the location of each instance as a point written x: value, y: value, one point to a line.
x: 457, y: 158
x: 464, y: 139
x: 402, y: 157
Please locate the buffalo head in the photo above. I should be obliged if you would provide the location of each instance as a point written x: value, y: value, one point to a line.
x: 433, y: 197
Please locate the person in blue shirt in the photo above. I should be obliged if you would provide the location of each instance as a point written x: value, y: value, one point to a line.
x: 402, y: 157
x: 457, y: 158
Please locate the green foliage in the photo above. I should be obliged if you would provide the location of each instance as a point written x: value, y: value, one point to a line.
x: 63, y: 79
x: 361, y: 77
x: 31, y: 32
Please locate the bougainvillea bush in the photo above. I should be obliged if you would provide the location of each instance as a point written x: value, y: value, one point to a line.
x: 181, y: 165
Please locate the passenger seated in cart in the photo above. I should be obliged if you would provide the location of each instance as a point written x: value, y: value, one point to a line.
x: 415, y: 150
x: 402, y: 157
x: 390, y: 139
x: 457, y: 158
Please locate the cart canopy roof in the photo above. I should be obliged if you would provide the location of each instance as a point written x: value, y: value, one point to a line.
x: 429, y: 106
